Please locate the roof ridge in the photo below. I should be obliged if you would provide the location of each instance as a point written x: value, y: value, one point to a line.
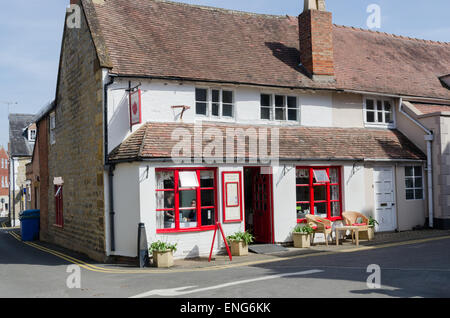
x: 224, y: 10
x: 393, y: 35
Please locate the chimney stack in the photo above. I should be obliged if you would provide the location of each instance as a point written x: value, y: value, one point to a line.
x: 316, y: 40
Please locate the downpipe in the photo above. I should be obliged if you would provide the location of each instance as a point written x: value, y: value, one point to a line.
x: 429, y: 137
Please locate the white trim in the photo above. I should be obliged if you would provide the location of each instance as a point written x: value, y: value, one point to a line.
x: 273, y: 108
x: 377, y: 124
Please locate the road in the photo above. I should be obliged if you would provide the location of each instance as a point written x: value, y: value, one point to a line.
x: 416, y: 270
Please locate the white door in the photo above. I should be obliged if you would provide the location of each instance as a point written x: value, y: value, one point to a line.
x: 385, y: 210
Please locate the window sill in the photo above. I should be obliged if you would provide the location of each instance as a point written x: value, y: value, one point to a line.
x: 379, y: 125
x: 176, y: 231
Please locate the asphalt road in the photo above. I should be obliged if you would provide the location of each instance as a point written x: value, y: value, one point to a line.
x: 417, y: 270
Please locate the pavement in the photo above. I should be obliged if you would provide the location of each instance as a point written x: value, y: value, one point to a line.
x: 222, y: 261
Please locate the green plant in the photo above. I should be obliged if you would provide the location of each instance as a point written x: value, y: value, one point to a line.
x: 303, y: 229
x: 372, y: 221
x: 162, y: 247
x: 241, y: 236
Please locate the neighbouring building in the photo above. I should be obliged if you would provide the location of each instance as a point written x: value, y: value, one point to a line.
x: 180, y: 116
x: 4, y: 175
x: 22, y: 135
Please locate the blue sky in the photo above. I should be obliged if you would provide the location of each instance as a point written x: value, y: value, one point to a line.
x: 31, y: 33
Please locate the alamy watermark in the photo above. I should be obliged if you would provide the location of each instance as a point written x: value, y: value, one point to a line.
x: 253, y: 145
x: 74, y: 279
x: 374, y: 279
x: 73, y: 20
x: 374, y: 19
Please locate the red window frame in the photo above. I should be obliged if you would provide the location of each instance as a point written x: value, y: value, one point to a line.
x: 59, y: 216
x: 328, y: 186
x: 199, y: 206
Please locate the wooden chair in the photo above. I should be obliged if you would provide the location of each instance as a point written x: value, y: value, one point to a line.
x: 320, y: 225
x: 355, y: 219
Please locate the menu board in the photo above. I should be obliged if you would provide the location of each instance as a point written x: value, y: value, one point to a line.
x: 232, y: 196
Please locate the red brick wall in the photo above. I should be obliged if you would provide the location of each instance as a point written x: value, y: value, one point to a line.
x: 316, y: 42
x: 4, y: 172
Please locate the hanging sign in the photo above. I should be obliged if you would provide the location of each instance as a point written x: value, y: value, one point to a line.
x: 232, y: 196
x: 135, y: 108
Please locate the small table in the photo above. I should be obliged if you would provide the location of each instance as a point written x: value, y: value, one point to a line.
x: 354, y: 229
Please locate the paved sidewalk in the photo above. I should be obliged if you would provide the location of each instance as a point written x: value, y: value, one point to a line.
x: 320, y: 248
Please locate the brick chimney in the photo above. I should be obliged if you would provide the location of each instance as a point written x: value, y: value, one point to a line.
x: 316, y: 40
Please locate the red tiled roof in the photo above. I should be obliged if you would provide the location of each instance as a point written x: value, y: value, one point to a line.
x: 154, y: 141
x: 429, y: 108
x: 174, y: 40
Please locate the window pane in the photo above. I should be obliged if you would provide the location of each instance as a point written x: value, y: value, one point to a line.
x: 215, y: 96
x: 320, y: 209
x: 292, y: 102
x: 370, y: 104
x: 201, y: 109
x: 409, y: 194
x: 302, y: 176
x: 188, y: 198
x: 188, y: 218
x: 334, y: 192
x: 165, y: 180
x: 188, y: 179
x: 227, y: 97
x: 419, y: 194
x: 265, y: 113
x: 227, y: 110
x: 388, y: 118
x: 208, y: 217
x: 380, y: 117
x: 418, y: 171
x: 321, y: 176
x: 302, y: 210
x: 418, y: 182
x: 334, y: 175
x: 292, y: 114
x: 201, y: 95
x: 207, y: 197
x: 279, y: 101
x: 303, y: 193
x: 320, y: 193
x: 215, y: 109
x: 265, y: 100
x: 165, y: 220
x: 409, y: 183
x: 379, y: 105
x: 280, y: 113
x: 370, y: 117
x: 409, y: 171
x: 165, y: 200
x: 207, y: 179
x: 335, y: 209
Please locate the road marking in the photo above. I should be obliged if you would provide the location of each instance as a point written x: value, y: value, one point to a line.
x: 180, y: 291
x: 101, y: 269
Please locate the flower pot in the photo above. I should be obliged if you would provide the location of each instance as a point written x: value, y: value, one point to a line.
x: 369, y: 235
x: 163, y: 259
x: 301, y: 240
x: 239, y: 248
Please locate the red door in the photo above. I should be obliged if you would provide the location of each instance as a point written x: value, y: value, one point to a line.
x: 262, y: 206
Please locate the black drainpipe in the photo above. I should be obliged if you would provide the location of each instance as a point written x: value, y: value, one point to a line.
x: 108, y: 166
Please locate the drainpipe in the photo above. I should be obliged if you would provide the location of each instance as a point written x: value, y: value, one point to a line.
x: 109, y: 167
x: 429, y: 137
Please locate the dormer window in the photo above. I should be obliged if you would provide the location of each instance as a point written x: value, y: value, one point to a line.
x: 379, y: 112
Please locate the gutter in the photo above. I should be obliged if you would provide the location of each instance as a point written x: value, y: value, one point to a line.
x: 429, y: 137
x: 110, y: 167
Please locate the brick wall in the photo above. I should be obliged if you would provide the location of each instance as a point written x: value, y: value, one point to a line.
x: 77, y: 155
x: 42, y: 173
x: 316, y: 42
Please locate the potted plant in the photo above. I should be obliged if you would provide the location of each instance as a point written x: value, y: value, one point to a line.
x: 302, y: 235
x: 370, y: 234
x: 239, y: 243
x: 162, y: 253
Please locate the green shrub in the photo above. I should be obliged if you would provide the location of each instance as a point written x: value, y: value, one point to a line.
x: 372, y: 221
x: 303, y: 229
x: 241, y: 236
x: 162, y: 247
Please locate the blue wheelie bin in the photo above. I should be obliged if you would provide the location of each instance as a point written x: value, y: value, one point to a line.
x: 29, y: 225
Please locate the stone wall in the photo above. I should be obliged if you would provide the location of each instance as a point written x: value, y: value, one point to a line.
x: 77, y: 154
